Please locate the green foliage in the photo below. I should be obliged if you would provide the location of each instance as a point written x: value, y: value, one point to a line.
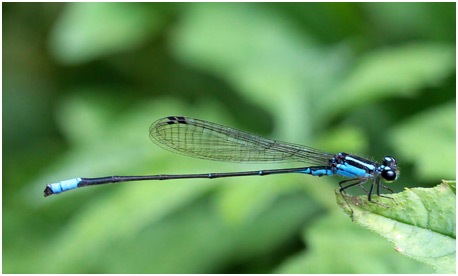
x: 87, y: 31
x: 83, y: 82
x: 436, y: 125
x: 421, y: 226
x: 346, y: 241
x: 396, y: 71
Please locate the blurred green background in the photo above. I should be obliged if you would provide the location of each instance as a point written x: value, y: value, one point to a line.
x: 82, y: 82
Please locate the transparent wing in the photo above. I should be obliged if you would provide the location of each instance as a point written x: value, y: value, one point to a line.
x: 206, y: 140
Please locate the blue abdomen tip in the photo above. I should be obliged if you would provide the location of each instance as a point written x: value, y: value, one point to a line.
x: 65, y: 185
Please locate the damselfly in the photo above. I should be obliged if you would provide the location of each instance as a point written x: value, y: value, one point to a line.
x: 206, y: 140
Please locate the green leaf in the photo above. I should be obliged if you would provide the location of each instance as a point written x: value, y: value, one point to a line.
x: 265, y: 56
x: 400, y: 20
x: 335, y: 245
x: 86, y: 31
x: 429, y: 141
x: 451, y: 183
x: 241, y: 202
x: 422, y: 226
x: 396, y: 71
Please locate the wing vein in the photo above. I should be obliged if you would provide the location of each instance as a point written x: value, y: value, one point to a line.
x: 207, y: 140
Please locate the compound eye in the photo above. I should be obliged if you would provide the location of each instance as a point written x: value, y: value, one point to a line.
x: 389, y: 175
x: 389, y: 161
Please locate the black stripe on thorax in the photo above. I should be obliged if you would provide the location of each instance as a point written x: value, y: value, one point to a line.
x: 359, y: 162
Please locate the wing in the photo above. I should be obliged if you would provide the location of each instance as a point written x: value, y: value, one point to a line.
x: 206, y: 140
